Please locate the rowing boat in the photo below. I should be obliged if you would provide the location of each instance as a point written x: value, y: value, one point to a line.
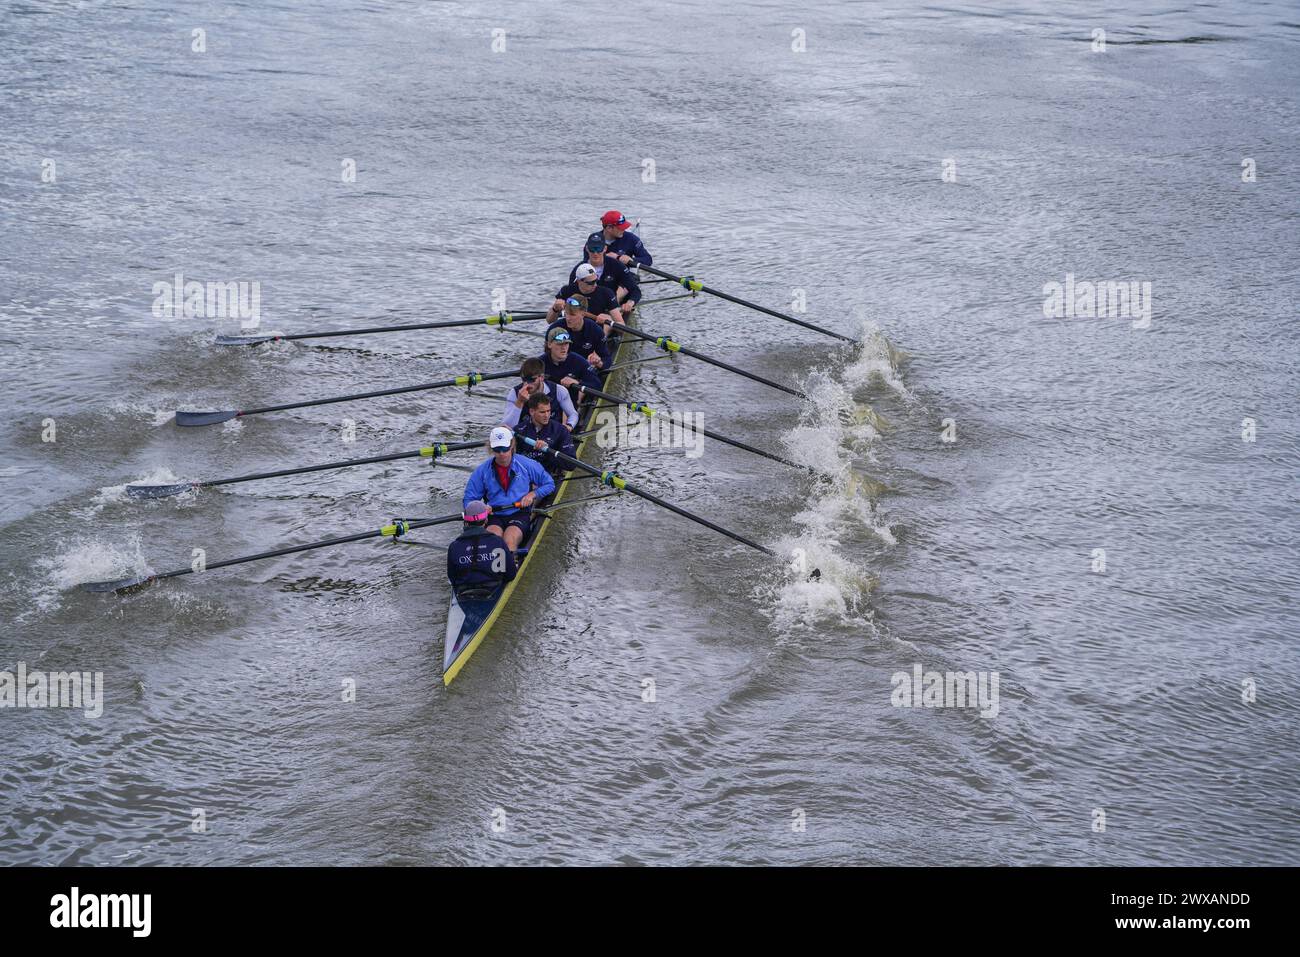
x: 470, y: 619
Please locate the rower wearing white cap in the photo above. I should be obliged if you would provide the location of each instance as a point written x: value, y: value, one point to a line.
x: 601, y: 301
x: 611, y: 274
x: 510, y: 484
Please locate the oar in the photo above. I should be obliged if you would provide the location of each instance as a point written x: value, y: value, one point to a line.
x: 212, y: 418
x: 428, y: 452
x: 501, y: 319
x: 668, y: 344
x: 694, y: 285
x: 397, y: 528
x: 647, y: 411
x: 615, y: 481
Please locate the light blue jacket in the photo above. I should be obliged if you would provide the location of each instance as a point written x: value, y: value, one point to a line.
x: 525, y: 476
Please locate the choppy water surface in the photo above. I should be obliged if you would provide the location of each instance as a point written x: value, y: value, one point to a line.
x: 772, y: 736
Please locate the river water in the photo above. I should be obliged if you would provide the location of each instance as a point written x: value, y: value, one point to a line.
x: 1099, y: 512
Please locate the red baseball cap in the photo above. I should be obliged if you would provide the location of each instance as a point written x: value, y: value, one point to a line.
x: 615, y: 218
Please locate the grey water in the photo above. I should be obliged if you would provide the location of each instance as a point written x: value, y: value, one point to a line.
x: 1100, y: 511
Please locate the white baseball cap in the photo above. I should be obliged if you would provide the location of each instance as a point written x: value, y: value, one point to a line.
x: 500, y: 439
x: 585, y: 271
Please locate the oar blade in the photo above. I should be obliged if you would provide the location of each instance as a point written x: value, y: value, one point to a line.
x: 189, y: 419
x: 244, y: 340
x: 158, y: 491
x: 121, y: 586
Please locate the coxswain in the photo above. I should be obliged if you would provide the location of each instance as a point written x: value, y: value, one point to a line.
x: 551, y: 437
x: 533, y: 374
x: 611, y: 274
x: 624, y: 244
x: 601, y: 301
x: 510, y: 484
x: 563, y: 366
x: 588, y: 335
x: 479, y: 560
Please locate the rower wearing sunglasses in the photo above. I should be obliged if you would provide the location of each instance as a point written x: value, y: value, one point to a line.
x: 587, y: 334
x: 601, y: 301
x: 611, y: 274
x: 563, y: 366
x: 533, y: 374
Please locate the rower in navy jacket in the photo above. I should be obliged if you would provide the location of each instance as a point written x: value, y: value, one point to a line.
x: 510, y: 484
x: 587, y: 334
x: 622, y: 242
x: 611, y: 274
x: 551, y: 437
x: 479, y: 560
x: 564, y: 367
x: 601, y: 301
x: 533, y: 374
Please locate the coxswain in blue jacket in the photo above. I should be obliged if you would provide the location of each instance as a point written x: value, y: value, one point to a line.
x: 564, y: 367
x: 533, y: 374
x: 479, y: 560
x: 587, y: 334
x: 551, y: 437
x: 602, y: 302
x: 510, y: 484
x: 622, y: 242
x: 611, y: 274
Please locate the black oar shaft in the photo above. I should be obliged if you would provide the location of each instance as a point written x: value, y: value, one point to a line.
x: 698, y: 286
x: 472, y: 378
x: 668, y: 344
x: 432, y: 451
x: 678, y: 418
x: 615, y: 481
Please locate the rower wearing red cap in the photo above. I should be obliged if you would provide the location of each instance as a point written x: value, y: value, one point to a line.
x: 623, y: 244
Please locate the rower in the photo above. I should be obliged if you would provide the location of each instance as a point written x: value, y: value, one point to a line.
x: 617, y: 233
x: 611, y: 274
x: 587, y: 334
x: 601, y: 301
x: 551, y: 437
x: 510, y: 484
x: 479, y: 561
x: 533, y: 374
x: 564, y: 367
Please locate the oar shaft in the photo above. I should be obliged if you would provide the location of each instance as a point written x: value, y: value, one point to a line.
x: 432, y: 451
x: 615, y: 481
x: 681, y: 420
x: 472, y: 378
x: 700, y: 287
x: 292, y: 549
x: 667, y: 343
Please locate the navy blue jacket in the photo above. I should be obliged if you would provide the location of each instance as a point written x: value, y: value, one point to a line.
x: 629, y: 244
x: 590, y: 338
x: 556, y: 437
x: 612, y: 275
x: 471, y: 557
x: 574, y: 365
x: 602, y: 298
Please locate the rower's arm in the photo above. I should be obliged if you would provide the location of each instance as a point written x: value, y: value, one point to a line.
x: 566, y: 405
x: 511, y: 417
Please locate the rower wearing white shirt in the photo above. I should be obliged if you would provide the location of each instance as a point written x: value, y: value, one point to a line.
x: 533, y: 374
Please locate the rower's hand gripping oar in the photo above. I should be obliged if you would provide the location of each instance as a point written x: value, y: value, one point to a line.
x: 398, y: 528
x: 433, y: 452
x: 500, y: 320
x: 694, y: 285
x: 470, y: 379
